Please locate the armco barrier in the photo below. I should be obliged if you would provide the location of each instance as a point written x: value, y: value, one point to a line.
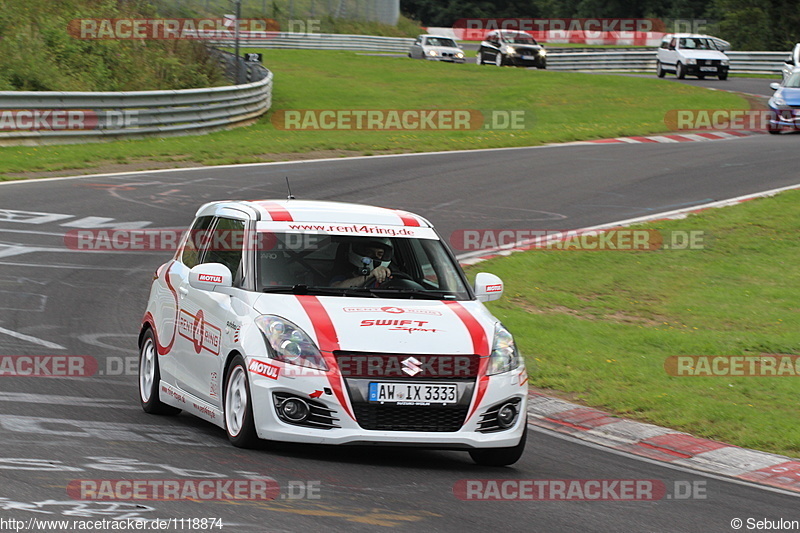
x: 321, y: 41
x: 33, y: 117
x: 645, y: 60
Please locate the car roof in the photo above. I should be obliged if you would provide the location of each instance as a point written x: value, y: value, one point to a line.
x: 683, y: 35
x: 315, y: 211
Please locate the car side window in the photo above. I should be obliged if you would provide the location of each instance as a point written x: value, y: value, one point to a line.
x: 672, y: 44
x: 190, y: 256
x: 225, y: 247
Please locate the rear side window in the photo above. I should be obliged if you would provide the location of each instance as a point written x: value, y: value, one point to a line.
x: 197, y: 236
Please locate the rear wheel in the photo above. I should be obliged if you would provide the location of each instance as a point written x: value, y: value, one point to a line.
x: 239, y: 406
x: 500, y: 456
x: 659, y: 70
x: 480, y: 58
x: 680, y: 71
x: 150, y: 377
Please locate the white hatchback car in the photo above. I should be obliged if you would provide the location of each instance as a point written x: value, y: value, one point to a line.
x: 323, y: 322
x: 692, y: 54
x: 436, y: 48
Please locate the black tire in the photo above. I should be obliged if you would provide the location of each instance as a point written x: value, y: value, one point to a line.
x: 660, y: 72
x: 500, y: 456
x: 238, y: 405
x: 498, y: 59
x: 544, y: 66
x: 480, y: 58
x: 680, y: 71
x: 150, y: 377
x: 723, y: 77
x: 773, y: 131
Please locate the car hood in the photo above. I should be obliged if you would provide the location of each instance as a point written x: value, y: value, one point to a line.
x: 704, y: 54
x: 441, y: 49
x: 790, y: 95
x: 379, y: 325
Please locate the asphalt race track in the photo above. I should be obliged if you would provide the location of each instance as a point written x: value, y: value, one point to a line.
x: 57, y: 301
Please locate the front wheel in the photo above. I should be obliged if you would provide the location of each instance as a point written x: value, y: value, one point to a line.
x: 150, y: 377
x: 500, y: 456
x: 498, y: 59
x: 660, y: 70
x: 239, y: 406
x: 723, y: 76
x: 680, y: 71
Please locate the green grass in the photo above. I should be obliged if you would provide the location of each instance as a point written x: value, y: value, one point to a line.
x: 599, y: 325
x: 558, y: 106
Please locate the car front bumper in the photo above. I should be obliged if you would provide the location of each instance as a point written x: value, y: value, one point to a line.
x: 269, y: 426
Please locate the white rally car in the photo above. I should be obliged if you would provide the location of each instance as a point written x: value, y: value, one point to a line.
x: 332, y: 323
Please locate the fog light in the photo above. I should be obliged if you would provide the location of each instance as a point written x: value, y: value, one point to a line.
x: 295, y: 410
x: 506, y: 415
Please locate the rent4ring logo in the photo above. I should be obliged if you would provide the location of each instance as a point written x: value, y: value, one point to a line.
x: 203, y: 335
x: 401, y: 119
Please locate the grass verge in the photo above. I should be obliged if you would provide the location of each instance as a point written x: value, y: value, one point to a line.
x: 558, y: 107
x: 598, y: 326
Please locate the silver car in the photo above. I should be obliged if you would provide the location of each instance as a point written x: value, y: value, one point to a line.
x: 436, y: 48
x: 791, y: 63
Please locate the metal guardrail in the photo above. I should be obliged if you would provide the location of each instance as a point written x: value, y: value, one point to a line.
x: 636, y: 60
x: 321, y: 41
x: 50, y: 117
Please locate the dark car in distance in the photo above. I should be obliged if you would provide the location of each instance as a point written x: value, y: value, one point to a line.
x: 515, y: 48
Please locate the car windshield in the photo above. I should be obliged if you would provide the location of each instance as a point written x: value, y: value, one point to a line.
x: 793, y: 81
x: 697, y: 43
x: 518, y: 38
x: 441, y: 41
x: 337, y: 265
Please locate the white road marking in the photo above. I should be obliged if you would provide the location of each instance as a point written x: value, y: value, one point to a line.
x: 34, y: 340
x: 25, y: 397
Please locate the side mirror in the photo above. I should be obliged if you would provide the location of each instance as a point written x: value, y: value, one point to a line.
x: 488, y: 287
x: 210, y: 277
x: 774, y: 86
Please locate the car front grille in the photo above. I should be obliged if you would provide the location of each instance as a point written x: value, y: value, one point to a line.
x: 708, y: 62
x: 410, y: 418
x: 404, y: 366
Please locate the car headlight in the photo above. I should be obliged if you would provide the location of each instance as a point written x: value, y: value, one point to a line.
x: 288, y: 343
x: 691, y: 61
x: 432, y: 53
x: 725, y: 62
x: 505, y: 356
x: 543, y: 52
x: 459, y: 55
x: 510, y: 50
x: 778, y: 101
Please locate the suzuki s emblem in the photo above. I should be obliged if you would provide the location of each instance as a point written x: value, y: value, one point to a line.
x: 411, y: 366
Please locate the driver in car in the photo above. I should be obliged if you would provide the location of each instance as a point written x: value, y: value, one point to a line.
x: 367, y: 264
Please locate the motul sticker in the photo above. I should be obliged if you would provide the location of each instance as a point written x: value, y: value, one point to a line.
x: 203, y: 335
x: 263, y: 369
x: 494, y: 288
x: 210, y: 278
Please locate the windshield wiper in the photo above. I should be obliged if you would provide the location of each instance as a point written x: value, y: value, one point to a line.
x: 318, y: 291
x: 415, y: 293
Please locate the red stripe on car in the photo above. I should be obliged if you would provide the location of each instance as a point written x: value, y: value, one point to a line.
x: 407, y: 218
x: 480, y: 346
x: 328, y: 343
x: 277, y: 212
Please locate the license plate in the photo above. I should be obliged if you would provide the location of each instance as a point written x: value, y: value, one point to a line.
x: 708, y: 69
x: 527, y: 57
x: 413, y: 393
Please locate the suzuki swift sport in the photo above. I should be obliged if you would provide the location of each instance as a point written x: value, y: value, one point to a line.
x: 331, y: 323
